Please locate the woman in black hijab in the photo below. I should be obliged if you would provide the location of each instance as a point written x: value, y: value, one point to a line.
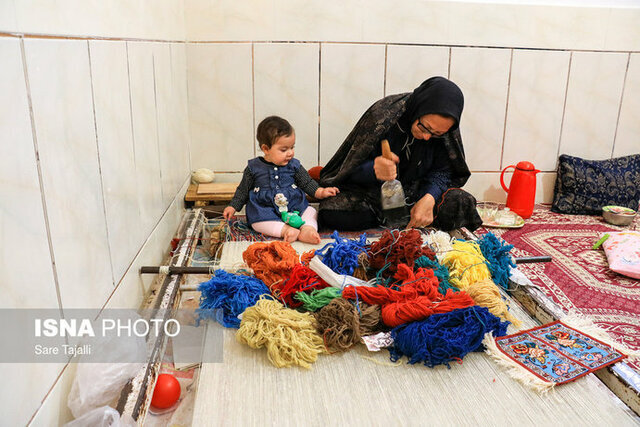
x: 422, y: 130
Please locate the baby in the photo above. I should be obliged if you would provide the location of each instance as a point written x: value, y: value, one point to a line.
x: 273, y: 187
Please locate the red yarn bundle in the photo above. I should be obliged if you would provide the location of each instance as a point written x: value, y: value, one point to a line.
x: 423, y: 282
x: 396, y: 247
x: 302, y: 279
x: 417, y: 298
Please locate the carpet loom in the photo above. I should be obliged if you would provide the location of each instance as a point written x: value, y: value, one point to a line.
x: 360, y: 387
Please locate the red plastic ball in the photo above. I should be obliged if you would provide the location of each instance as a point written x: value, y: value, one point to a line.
x: 166, y: 392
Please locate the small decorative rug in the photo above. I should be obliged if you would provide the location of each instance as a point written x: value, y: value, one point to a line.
x: 578, y: 278
x: 552, y: 354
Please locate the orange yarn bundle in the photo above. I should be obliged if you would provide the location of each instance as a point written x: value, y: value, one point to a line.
x: 417, y: 298
x: 271, y: 262
x: 395, y: 247
x: 302, y: 279
x: 399, y: 313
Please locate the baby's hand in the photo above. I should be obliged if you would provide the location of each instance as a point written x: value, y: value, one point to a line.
x: 228, y: 212
x: 323, y: 193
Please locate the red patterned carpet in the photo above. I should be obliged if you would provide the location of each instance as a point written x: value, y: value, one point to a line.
x: 578, y: 278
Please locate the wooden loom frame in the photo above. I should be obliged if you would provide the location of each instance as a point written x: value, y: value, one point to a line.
x: 136, y: 396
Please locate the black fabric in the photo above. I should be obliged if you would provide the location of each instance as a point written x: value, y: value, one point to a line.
x: 457, y: 209
x: 435, y: 96
x: 583, y: 187
x: 347, y: 220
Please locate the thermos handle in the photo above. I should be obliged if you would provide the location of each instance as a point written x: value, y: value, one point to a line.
x: 502, y: 177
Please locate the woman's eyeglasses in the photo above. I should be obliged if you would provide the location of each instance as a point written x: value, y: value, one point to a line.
x: 424, y: 129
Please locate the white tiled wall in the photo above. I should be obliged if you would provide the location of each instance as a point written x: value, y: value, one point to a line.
x: 593, y: 101
x: 99, y: 136
x: 94, y: 156
x: 352, y: 78
x: 286, y: 84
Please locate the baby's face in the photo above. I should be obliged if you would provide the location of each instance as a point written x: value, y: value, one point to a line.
x: 281, y: 151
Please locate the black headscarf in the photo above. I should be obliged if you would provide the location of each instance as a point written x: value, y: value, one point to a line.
x: 436, y: 95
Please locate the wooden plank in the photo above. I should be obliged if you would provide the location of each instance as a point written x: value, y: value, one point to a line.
x: 212, y: 192
x: 218, y: 188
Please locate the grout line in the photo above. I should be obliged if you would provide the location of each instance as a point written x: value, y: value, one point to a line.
x: 134, y: 39
x: 319, y: 96
x: 178, y: 196
x: 564, y: 107
x: 624, y: 85
x: 72, y: 37
x: 384, y: 78
x: 95, y: 128
x: 55, y: 382
x: 155, y: 101
x: 186, y: 76
x: 506, y: 111
x: 133, y: 137
x: 409, y: 44
x: 449, y: 65
x: 253, y: 99
x: 45, y: 212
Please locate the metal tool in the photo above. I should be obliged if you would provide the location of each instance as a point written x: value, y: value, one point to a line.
x: 394, y: 208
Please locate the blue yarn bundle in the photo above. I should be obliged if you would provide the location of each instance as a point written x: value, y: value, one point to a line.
x: 496, y: 252
x: 439, y: 270
x: 342, y: 256
x: 230, y: 294
x: 443, y: 338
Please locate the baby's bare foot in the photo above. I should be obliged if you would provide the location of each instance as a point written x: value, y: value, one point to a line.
x: 290, y: 234
x: 308, y: 234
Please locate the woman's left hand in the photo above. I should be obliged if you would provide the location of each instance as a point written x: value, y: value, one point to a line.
x: 422, y: 212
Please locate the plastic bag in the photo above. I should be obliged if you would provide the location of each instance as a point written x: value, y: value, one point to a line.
x: 623, y: 252
x: 102, y: 417
x: 99, y: 384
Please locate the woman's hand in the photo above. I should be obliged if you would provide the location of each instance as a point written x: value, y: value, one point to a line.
x: 385, y: 169
x: 422, y: 212
x: 324, y: 192
x: 228, y: 212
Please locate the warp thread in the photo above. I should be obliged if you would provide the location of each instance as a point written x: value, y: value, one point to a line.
x: 318, y: 298
x: 446, y: 337
x: 439, y: 270
x: 302, y: 279
x: 271, y: 262
x: 397, y: 247
x: 342, y: 255
x: 231, y: 294
x: 342, y: 324
x: 496, y: 252
x: 290, y: 337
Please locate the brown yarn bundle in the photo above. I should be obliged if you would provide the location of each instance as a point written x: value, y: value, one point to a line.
x: 271, y: 262
x: 342, y: 326
x: 397, y: 247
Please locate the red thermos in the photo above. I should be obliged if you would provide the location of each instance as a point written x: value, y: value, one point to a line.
x: 522, y: 190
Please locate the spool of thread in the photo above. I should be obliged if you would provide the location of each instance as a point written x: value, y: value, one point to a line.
x: 202, y: 176
x: 291, y: 338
